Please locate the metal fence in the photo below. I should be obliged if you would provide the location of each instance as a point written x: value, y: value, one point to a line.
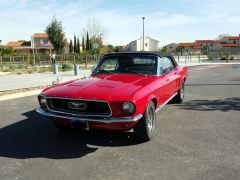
x: 92, y: 59
x: 46, y: 60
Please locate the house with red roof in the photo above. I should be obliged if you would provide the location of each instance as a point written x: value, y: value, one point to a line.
x: 192, y: 47
x: 203, y: 46
x: 231, y: 39
x: 20, y: 46
x: 41, y: 43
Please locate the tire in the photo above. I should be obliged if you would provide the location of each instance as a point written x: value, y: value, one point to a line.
x: 145, y: 128
x: 178, y: 99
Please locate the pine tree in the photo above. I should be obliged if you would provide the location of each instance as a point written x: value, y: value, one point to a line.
x: 56, y: 35
x: 87, y: 43
x: 83, y: 44
x: 75, y: 44
x: 70, y: 46
x: 78, y: 46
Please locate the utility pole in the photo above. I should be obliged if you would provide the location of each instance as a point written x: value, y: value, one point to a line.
x: 143, y: 18
x: 239, y: 46
x: 33, y: 49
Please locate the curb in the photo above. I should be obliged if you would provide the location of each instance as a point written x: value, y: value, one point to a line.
x: 20, y: 95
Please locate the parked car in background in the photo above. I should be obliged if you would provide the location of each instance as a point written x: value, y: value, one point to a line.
x: 124, y: 92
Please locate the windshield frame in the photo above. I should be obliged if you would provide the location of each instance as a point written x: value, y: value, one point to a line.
x: 104, y: 58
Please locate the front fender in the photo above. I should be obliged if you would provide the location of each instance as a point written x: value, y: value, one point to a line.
x: 143, y: 103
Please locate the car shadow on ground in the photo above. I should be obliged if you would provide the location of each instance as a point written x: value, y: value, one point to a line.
x: 228, y: 104
x: 35, y: 137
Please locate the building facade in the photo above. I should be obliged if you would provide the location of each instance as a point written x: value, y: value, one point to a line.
x: 149, y: 45
x: 41, y: 44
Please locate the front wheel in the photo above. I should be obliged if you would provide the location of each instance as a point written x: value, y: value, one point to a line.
x: 180, y: 95
x: 145, y: 128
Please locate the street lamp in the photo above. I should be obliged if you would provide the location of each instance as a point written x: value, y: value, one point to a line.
x: 100, y: 35
x: 239, y: 47
x: 143, y: 18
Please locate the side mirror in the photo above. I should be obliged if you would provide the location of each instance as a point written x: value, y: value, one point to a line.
x: 165, y: 71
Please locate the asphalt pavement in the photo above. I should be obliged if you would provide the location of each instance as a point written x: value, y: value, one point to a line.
x: 196, y: 140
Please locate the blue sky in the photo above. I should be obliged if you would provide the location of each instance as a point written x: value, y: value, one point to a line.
x: 166, y: 20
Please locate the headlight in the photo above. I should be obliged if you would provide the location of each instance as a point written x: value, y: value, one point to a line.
x: 42, y: 100
x: 128, y: 108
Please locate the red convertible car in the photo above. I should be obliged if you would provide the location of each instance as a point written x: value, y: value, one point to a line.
x: 124, y: 92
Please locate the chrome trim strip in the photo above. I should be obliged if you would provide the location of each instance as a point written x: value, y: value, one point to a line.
x: 160, y: 107
x: 84, y: 115
x: 83, y: 119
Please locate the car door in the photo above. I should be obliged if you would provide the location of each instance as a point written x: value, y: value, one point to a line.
x: 170, y: 77
x: 174, y: 76
x: 163, y: 82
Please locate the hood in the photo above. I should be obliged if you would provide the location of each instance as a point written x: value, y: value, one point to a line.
x: 101, y: 87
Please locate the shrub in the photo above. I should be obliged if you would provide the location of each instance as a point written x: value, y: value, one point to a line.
x: 67, y: 67
x: 231, y: 58
x: 223, y: 58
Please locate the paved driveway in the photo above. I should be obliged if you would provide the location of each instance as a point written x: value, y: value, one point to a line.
x: 196, y: 140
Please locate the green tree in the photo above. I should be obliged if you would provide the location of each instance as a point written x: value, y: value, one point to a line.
x: 205, y: 49
x: 83, y: 44
x: 164, y: 49
x: 78, y: 46
x: 88, y: 46
x: 117, y: 48
x: 110, y: 48
x: 74, y: 44
x: 56, y: 35
x: 70, y: 46
x: 180, y: 49
x: 6, y: 51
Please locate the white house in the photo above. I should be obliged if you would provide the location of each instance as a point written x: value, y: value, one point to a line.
x: 149, y: 44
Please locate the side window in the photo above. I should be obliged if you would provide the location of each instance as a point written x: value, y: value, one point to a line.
x: 166, y: 65
x: 109, y: 65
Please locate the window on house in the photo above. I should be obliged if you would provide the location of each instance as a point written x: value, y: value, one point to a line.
x: 43, y: 41
x: 146, y: 44
x: 234, y: 42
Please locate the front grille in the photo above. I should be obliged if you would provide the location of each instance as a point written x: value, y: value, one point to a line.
x: 79, y: 107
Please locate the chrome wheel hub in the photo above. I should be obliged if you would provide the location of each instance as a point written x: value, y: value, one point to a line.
x: 150, y: 119
x: 182, y: 92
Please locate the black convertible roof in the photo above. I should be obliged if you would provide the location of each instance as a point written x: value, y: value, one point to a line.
x: 155, y: 53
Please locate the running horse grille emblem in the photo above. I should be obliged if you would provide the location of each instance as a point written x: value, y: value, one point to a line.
x: 77, y: 106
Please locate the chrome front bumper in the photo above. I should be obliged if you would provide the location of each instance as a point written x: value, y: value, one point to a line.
x: 84, y: 119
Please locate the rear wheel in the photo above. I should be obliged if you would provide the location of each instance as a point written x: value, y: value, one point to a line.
x: 145, y: 128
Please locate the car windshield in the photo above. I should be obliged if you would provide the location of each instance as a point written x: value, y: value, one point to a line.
x: 127, y: 64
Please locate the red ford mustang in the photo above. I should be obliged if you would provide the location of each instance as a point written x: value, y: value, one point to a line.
x: 124, y: 92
